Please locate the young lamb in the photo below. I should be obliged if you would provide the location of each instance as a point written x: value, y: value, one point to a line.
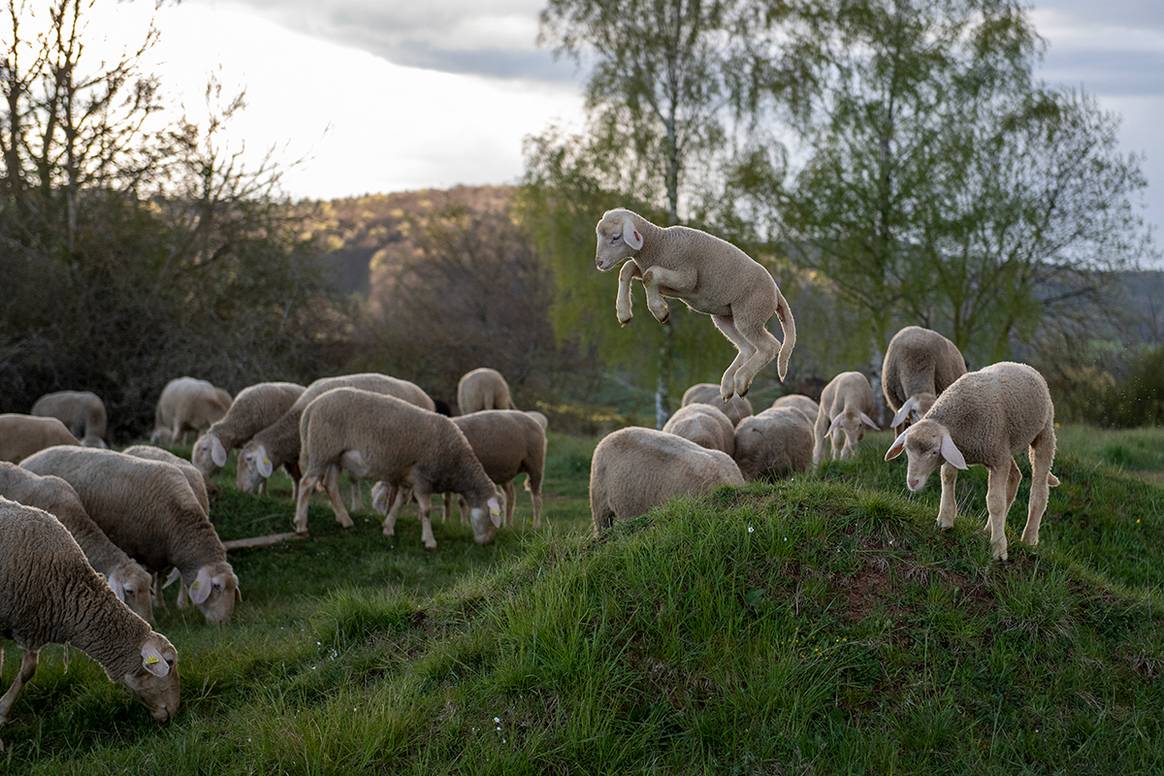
x: 82, y: 412
x: 483, y: 389
x: 919, y: 364
x: 128, y: 580
x: 798, y: 401
x: 636, y: 469
x: 252, y: 410
x: 709, y: 275
x: 383, y: 438
x: 705, y: 425
x: 508, y: 443
x: 984, y: 418
x: 187, y: 404
x: 776, y: 443
x: 192, y: 475
x: 147, y: 509
x: 23, y: 435
x: 736, y: 408
x: 278, y: 444
x: 845, y: 405
x: 49, y: 594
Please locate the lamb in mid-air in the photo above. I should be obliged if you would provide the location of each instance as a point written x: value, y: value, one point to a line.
x: 710, y: 276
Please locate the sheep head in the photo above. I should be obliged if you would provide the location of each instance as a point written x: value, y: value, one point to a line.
x: 155, y: 680
x: 928, y: 445
x: 618, y: 238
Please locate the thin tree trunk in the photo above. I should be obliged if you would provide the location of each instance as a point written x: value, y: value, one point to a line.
x: 667, y: 348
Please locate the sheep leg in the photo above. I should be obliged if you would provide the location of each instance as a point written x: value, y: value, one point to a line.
x: 331, y: 484
x: 27, y: 669
x: 949, y: 506
x: 463, y: 509
x: 394, y: 511
x: 1012, y: 484
x: 534, y: 486
x: 1042, y: 453
x: 424, y: 502
x: 767, y: 347
x: 356, y: 497
x: 676, y: 281
x: 820, y: 431
x: 744, y: 351
x: 996, y: 507
x: 622, y: 302
x: 510, y: 501
x: 302, y: 498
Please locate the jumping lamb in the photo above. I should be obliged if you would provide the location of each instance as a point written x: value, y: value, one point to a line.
x: 736, y: 408
x: 49, y: 594
x: 23, y: 435
x: 845, y: 405
x: 704, y: 425
x: 483, y: 389
x: 636, y: 469
x: 82, y: 412
x: 709, y: 275
x: 252, y: 410
x: 919, y: 364
x: 984, y: 418
x: 187, y: 404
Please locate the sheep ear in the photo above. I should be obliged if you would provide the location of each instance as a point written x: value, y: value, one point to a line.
x: 868, y: 421
x: 897, y: 446
x: 117, y: 588
x: 903, y: 413
x: 833, y: 425
x: 153, y: 661
x: 217, y: 452
x: 201, y: 587
x: 263, y: 464
x: 171, y: 578
x: 494, y: 512
x: 951, y: 452
x: 630, y: 235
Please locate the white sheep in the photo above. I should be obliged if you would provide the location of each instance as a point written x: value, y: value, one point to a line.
x: 23, y: 435
x: 82, y: 412
x: 984, y: 418
x: 542, y: 420
x: 483, y: 389
x: 919, y: 364
x: 49, y: 594
x: 736, y: 408
x: 705, y: 425
x: 710, y: 276
x: 634, y: 470
x: 380, y: 437
x: 776, y: 443
x: 845, y: 404
x: 128, y: 580
x: 147, y: 509
x: 800, y: 402
x: 255, y: 408
x: 192, y: 475
x: 187, y: 404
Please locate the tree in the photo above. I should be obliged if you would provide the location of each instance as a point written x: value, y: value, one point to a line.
x: 656, y: 101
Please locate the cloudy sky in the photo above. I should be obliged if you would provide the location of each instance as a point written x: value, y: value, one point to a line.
x: 383, y: 95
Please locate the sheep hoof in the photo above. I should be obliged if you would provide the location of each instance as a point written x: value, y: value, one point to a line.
x: 430, y: 546
x: 625, y: 321
x: 345, y: 522
x: 1031, y: 539
x: 390, y: 532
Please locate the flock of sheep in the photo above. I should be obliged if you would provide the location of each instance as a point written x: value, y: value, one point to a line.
x: 87, y: 534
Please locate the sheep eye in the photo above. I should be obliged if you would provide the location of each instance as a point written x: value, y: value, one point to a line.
x: 616, y: 238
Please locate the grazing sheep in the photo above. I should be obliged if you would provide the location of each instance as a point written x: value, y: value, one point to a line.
x: 128, y: 580
x: 147, y: 509
x: 984, y: 418
x: 705, y: 425
x: 278, y: 444
x: 192, y: 475
x: 508, y: 443
x: 483, y: 389
x: 252, y: 410
x: 542, y: 420
x: 798, y: 401
x: 23, y: 435
x: 736, y: 408
x: 919, y: 364
x: 710, y: 276
x: 187, y: 404
x: 636, y: 469
x: 845, y: 405
x: 776, y: 443
x: 82, y: 412
x: 383, y: 438
x: 49, y: 594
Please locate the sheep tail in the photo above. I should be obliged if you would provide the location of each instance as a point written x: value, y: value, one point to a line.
x: 788, y: 327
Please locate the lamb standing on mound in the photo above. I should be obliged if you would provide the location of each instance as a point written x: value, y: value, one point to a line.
x: 984, y: 418
x: 49, y: 594
x: 919, y: 364
x: 736, y: 408
x: 845, y: 405
x: 128, y: 580
x: 252, y: 410
x: 82, y: 412
x: 637, y: 469
x: 23, y: 435
x: 483, y: 389
x: 711, y: 276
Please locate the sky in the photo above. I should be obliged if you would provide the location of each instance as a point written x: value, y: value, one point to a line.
x: 387, y: 95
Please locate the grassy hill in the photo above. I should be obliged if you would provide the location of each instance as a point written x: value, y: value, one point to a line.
x: 821, y: 624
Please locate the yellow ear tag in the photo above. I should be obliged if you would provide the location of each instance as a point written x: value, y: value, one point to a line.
x: 266, y: 461
x: 152, y: 660
x: 195, y: 585
x: 494, y: 511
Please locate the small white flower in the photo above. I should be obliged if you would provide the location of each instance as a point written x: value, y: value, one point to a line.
x: 751, y: 529
x: 497, y: 720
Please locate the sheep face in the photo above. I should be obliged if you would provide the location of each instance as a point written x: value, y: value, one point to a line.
x: 617, y: 239
x: 215, y: 591
x: 155, y: 682
x: 486, y: 519
x: 928, y: 445
x: 851, y: 424
x: 209, y: 454
x: 132, y: 586
x: 254, y: 465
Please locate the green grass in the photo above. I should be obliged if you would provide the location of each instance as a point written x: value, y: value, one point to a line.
x: 821, y: 624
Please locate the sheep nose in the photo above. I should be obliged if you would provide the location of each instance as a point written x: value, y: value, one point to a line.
x: 913, y: 483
